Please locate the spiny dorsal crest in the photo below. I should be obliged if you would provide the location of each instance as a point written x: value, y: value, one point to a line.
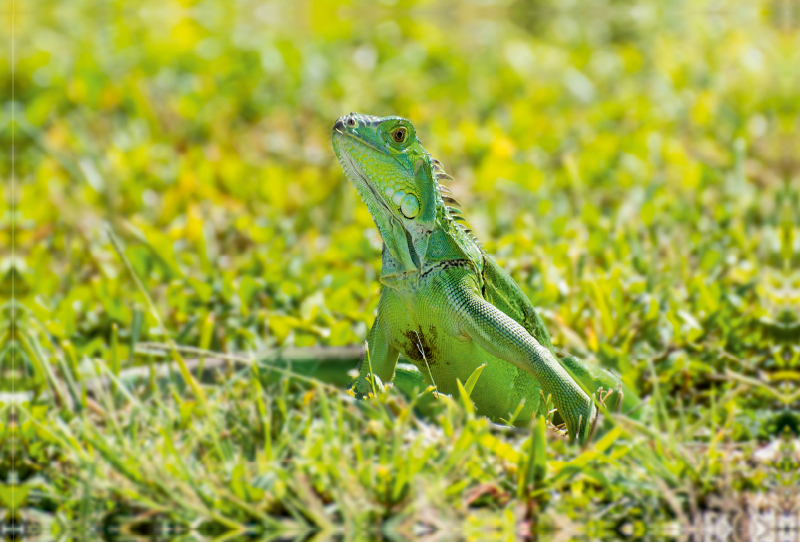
x: 452, y: 205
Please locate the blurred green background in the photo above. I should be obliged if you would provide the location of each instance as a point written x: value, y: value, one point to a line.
x: 594, y: 145
x: 633, y: 165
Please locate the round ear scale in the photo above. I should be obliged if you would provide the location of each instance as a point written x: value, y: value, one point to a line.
x: 409, y: 206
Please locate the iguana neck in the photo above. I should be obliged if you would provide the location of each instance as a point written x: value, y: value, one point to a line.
x: 426, y: 249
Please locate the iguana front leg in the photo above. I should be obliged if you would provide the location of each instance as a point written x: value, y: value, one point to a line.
x: 504, y: 338
x: 382, y: 358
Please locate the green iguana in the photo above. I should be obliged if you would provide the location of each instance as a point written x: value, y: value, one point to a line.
x: 447, y: 305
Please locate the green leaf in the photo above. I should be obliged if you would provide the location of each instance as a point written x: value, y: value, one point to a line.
x: 473, y: 379
x: 538, y: 454
x: 465, y: 397
x: 13, y: 496
x: 608, y: 439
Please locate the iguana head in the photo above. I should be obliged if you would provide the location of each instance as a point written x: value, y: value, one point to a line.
x: 393, y: 174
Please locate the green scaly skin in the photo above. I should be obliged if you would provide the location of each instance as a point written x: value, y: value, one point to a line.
x: 446, y: 305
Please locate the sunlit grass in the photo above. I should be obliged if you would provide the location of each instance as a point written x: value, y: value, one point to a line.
x: 633, y: 169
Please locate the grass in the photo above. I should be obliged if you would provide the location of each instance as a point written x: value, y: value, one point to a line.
x: 632, y: 170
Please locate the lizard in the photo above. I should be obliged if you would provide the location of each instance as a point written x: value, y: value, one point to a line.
x: 445, y: 303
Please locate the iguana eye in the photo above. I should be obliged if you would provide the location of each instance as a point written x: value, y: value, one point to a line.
x: 399, y: 135
x: 351, y: 122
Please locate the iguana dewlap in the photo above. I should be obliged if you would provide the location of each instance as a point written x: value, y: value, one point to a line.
x: 446, y: 305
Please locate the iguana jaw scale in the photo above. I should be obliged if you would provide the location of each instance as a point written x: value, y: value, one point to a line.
x: 356, y: 175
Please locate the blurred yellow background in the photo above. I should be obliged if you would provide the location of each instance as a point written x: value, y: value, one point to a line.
x: 618, y: 158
